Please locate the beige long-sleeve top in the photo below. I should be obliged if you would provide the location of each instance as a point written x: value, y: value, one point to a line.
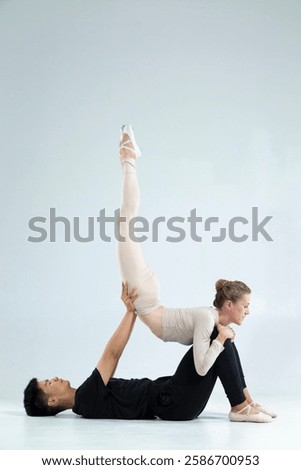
x: 193, y: 326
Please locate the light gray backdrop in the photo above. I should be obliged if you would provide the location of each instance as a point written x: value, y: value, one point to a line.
x: 213, y: 91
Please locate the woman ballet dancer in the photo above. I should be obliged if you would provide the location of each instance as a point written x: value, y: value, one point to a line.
x: 207, y: 328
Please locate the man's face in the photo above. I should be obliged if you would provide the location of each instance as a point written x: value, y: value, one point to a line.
x: 55, y: 387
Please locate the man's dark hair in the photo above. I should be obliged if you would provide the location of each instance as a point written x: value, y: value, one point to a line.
x: 35, y: 401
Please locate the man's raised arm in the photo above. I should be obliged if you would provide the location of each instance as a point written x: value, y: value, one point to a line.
x: 108, y: 362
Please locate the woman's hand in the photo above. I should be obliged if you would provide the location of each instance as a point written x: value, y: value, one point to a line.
x: 225, y: 332
x: 128, y: 298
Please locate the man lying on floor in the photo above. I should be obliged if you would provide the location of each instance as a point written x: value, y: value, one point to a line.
x: 182, y: 396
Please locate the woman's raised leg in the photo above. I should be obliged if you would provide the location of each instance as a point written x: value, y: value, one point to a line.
x: 133, y: 267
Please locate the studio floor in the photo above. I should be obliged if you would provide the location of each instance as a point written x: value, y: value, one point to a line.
x: 212, y: 430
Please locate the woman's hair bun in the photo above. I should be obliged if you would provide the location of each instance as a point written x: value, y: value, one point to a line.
x: 220, y: 283
x: 229, y: 290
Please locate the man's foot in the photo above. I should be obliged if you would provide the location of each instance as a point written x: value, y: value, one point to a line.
x: 249, y: 414
x: 256, y: 405
x: 264, y: 410
x: 128, y: 147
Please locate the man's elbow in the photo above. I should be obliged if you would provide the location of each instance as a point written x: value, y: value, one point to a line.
x: 112, y: 355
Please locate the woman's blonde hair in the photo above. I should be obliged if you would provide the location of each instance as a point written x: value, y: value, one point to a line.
x: 229, y: 290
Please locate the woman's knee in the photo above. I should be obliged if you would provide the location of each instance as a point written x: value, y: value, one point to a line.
x: 228, y: 345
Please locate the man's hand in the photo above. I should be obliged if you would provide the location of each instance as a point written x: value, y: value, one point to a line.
x: 128, y: 298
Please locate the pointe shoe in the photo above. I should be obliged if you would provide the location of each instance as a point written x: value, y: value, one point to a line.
x: 134, y: 149
x: 264, y: 410
x: 249, y: 417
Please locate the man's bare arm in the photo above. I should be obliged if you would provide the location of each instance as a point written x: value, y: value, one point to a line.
x: 108, y: 362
